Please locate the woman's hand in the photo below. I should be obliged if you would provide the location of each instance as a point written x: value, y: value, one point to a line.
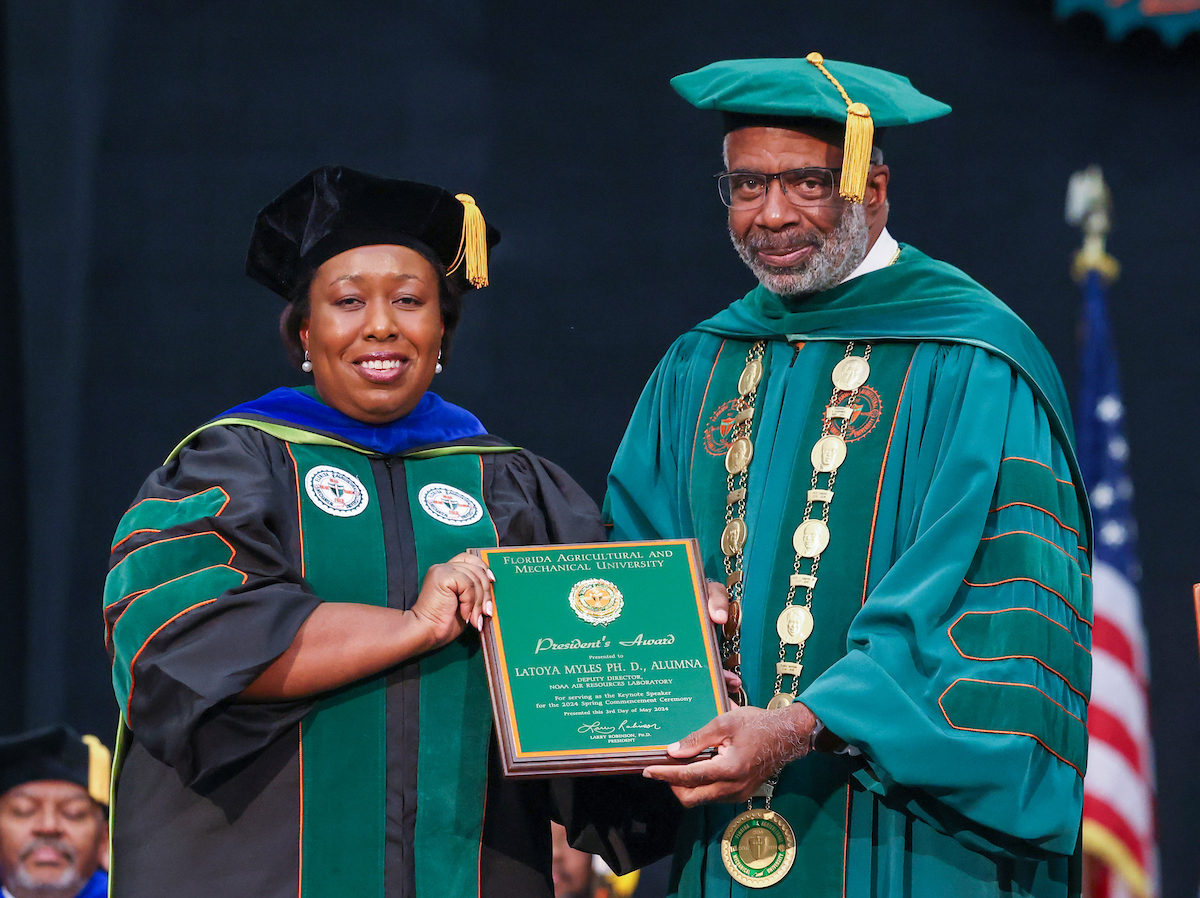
x: 342, y: 642
x: 454, y: 595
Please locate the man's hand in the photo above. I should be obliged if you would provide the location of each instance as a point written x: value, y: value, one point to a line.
x: 752, y: 746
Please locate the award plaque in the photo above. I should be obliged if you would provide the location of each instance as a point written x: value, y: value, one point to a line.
x: 599, y: 655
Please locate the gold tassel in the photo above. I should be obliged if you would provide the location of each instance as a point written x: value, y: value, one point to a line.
x: 474, y: 242
x: 99, y: 769
x: 860, y: 133
x: 860, y: 130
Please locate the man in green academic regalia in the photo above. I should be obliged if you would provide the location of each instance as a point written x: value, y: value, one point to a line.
x: 876, y: 456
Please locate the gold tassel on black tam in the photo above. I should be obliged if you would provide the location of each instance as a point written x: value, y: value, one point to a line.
x: 473, y: 248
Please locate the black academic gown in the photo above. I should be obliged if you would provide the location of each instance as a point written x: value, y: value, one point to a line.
x: 209, y: 795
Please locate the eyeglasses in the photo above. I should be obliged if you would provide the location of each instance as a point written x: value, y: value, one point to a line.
x: 744, y: 190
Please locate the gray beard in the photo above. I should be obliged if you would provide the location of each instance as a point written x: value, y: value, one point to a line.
x: 25, y: 886
x: 837, y: 255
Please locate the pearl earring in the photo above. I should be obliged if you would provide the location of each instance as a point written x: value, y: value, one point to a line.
x: 306, y: 365
x: 437, y: 369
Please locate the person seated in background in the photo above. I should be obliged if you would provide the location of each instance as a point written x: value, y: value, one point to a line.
x: 53, y: 815
x: 574, y: 873
x: 578, y: 874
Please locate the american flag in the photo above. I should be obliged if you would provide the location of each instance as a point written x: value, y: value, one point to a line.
x: 1118, y: 792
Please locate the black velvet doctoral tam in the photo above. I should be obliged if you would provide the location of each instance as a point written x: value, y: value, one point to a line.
x: 333, y: 209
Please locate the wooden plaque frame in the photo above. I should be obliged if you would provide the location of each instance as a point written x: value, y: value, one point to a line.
x: 611, y: 760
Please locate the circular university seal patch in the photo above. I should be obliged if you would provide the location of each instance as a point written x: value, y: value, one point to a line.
x: 596, y: 601
x: 449, y: 505
x: 335, y: 491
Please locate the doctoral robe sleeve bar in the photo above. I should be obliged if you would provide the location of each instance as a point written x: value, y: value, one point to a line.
x: 201, y: 597
x: 966, y: 681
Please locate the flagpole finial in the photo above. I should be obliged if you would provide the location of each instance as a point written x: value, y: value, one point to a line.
x: 1089, y: 206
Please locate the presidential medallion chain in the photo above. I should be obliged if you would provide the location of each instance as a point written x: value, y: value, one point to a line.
x: 795, y: 623
x: 733, y: 537
x: 758, y: 847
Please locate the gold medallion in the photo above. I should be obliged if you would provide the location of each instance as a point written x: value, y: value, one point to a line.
x: 851, y: 373
x: 779, y: 700
x: 733, y: 537
x: 751, y: 375
x: 596, y: 601
x: 758, y: 848
x: 828, y: 453
x: 794, y: 625
x: 810, y: 538
x: 737, y: 459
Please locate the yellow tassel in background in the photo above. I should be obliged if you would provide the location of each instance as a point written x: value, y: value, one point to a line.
x: 99, y: 769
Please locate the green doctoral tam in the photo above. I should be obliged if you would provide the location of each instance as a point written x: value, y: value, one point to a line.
x: 857, y: 97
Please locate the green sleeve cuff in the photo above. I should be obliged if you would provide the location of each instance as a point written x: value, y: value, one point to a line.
x: 992, y: 792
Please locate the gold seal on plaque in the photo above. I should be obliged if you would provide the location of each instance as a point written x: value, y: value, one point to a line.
x: 751, y: 375
x: 795, y: 624
x: 810, y: 538
x: 828, y: 453
x: 758, y: 848
x: 851, y: 373
x: 738, y: 457
x: 733, y: 537
x: 779, y: 700
x: 596, y: 601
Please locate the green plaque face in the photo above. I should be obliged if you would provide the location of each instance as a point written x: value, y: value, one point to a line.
x: 599, y: 655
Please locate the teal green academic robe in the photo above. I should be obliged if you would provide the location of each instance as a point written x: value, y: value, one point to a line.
x: 952, y: 609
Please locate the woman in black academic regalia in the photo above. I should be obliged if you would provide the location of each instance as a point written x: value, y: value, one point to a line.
x: 291, y: 612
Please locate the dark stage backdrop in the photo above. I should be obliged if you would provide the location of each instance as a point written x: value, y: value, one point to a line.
x: 12, y: 452
x: 146, y: 134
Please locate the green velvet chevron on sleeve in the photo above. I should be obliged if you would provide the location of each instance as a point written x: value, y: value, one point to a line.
x: 161, y: 579
x: 969, y: 664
